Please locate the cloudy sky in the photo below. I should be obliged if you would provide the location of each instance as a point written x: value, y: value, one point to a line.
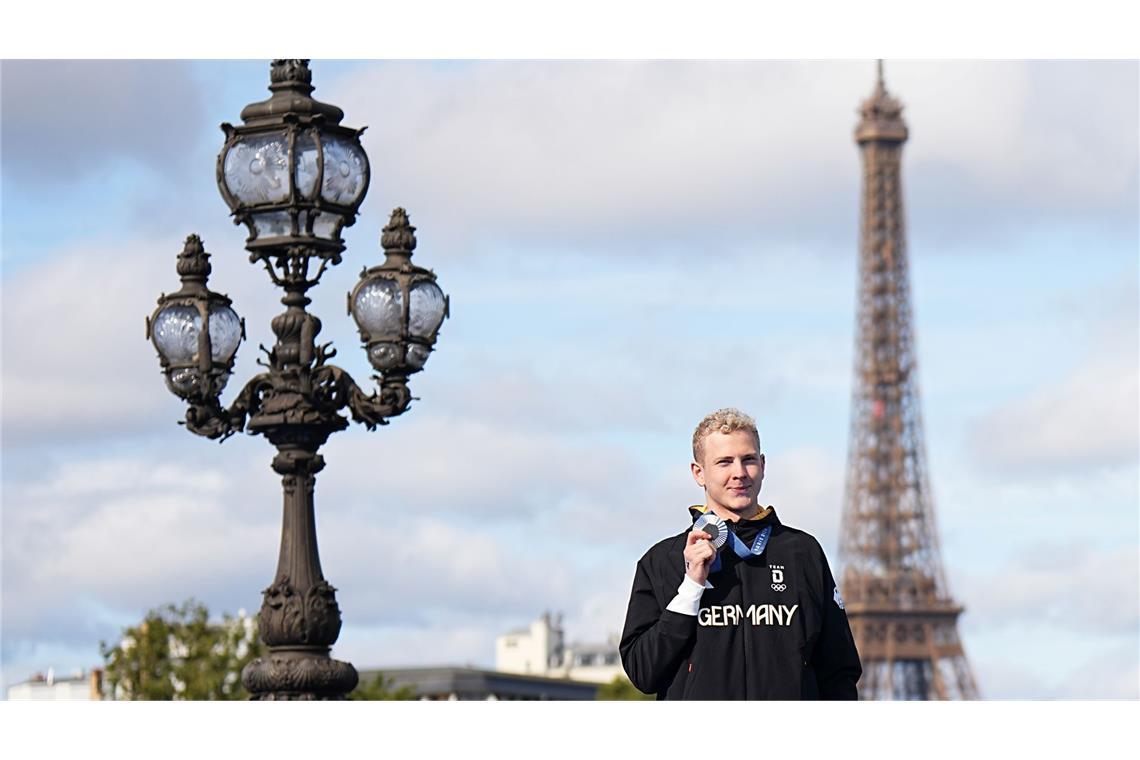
x: 627, y: 246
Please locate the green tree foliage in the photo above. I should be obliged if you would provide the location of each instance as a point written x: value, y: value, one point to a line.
x: 620, y: 688
x: 380, y: 687
x: 177, y: 653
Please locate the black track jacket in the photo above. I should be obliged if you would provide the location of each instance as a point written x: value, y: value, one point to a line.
x: 772, y: 626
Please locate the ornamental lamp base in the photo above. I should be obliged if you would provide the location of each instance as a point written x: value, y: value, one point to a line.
x: 298, y: 674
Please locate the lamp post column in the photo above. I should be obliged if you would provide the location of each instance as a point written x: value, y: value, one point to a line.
x: 299, y: 618
x: 296, y: 177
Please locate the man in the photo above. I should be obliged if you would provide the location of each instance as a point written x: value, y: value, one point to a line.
x: 762, y: 617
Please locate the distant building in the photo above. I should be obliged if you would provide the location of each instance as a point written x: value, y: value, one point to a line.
x: 81, y: 686
x: 598, y: 663
x: 447, y: 683
x: 540, y: 650
x: 537, y: 650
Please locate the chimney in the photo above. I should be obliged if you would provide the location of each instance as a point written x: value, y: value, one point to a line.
x: 97, y: 683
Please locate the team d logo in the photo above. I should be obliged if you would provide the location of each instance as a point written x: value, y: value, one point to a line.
x: 777, y: 577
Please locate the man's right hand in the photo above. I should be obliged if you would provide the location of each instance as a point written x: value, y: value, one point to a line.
x: 699, y: 555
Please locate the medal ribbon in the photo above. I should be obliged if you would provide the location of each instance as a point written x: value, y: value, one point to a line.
x: 742, y: 549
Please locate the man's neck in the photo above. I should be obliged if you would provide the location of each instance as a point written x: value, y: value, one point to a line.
x: 729, y: 516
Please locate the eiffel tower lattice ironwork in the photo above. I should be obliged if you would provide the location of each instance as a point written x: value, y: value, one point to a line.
x: 901, y: 613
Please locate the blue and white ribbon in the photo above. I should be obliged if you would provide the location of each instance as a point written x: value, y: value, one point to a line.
x: 742, y: 549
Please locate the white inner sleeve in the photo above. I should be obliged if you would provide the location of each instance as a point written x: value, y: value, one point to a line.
x: 688, y: 598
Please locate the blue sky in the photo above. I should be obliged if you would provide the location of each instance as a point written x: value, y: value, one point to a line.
x: 627, y: 245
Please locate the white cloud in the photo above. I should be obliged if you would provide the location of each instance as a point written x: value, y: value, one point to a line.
x: 67, y: 361
x: 1083, y: 421
x: 64, y: 119
x: 600, y: 615
x: 1059, y: 134
x: 516, y: 395
x: 678, y: 145
x: 86, y: 479
x: 1086, y: 589
x: 101, y: 540
x: 1078, y: 666
x: 409, y: 567
x: 806, y: 487
x: 998, y: 679
x: 1110, y: 674
x: 686, y: 150
x: 469, y: 465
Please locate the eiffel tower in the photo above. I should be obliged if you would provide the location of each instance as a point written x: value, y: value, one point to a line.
x: 901, y: 613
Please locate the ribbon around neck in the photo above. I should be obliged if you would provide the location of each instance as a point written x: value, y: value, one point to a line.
x: 742, y: 549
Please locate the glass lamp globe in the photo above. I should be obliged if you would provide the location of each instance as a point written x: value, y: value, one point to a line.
x: 178, y: 331
x: 197, y: 361
x: 397, y: 306
x: 292, y: 173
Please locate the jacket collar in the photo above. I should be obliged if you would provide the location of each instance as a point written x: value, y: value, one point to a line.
x: 766, y: 516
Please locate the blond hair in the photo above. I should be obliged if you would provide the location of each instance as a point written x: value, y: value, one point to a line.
x: 728, y: 420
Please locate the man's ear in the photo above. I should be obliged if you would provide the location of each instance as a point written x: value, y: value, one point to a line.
x: 762, y: 460
x: 698, y: 473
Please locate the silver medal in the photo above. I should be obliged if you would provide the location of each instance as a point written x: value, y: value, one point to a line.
x: 714, y: 526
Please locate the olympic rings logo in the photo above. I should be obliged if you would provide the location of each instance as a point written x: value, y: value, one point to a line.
x: 779, y: 586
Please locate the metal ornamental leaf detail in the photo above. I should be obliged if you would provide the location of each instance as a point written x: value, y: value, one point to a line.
x: 291, y: 617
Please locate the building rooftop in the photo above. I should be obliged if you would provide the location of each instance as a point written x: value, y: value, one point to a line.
x: 448, y: 682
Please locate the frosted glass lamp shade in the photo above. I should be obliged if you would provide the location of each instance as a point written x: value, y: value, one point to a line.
x: 183, y: 381
x: 379, y: 308
x: 417, y: 355
x: 427, y: 307
x: 345, y: 171
x: 326, y: 225
x: 256, y: 169
x: 306, y: 174
x: 225, y: 333
x: 384, y: 356
x: 269, y: 224
x: 176, y: 330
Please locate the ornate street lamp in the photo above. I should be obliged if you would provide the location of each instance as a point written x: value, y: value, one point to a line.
x: 295, y: 177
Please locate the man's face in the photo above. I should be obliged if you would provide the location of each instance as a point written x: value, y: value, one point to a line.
x: 731, y: 473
